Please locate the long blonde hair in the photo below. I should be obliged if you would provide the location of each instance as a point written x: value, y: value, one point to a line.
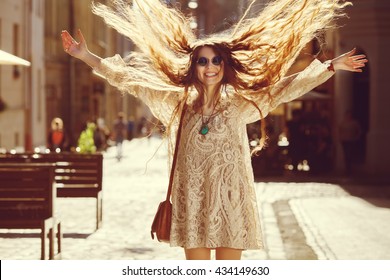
x: 258, y: 51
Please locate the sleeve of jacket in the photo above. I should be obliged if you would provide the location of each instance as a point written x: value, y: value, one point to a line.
x: 286, y: 90
x: 117, y: 73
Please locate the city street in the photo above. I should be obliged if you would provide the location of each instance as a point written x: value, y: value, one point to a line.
x: 303, y: 220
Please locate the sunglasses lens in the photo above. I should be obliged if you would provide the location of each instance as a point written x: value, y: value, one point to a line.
x: 202, y: 61
x: 217, y: 60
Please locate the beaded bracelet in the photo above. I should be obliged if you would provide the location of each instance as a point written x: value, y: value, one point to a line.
x: 331, y: 67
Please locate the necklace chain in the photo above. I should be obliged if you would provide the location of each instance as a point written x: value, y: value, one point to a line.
x: 204, y: 129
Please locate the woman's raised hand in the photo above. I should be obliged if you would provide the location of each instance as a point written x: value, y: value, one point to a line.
x: 350, y: 62
x: 72, y: 47
x: 79, y: 49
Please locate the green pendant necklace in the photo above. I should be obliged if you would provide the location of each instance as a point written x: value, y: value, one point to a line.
x: 204, y: 129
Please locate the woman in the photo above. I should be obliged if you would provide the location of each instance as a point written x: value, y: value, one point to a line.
x: 223, y: 83
x: 57, y: 138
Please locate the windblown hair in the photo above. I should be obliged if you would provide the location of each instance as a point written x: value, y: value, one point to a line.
x: 257, y: 52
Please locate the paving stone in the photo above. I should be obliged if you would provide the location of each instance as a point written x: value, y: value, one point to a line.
x: 298, y: 218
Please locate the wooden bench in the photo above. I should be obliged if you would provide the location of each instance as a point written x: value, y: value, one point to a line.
x: 76, y: 175
x: 27, y: 195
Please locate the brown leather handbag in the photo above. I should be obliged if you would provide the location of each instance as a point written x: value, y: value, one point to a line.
x: 161, y: 225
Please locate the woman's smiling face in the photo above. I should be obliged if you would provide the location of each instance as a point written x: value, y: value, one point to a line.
x: 209, y: 67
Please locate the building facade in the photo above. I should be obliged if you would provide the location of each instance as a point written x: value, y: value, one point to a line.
x: 364, y: 94
x: 73, y: 92
x: 367, y: 94
x: 57, y: 85
x: 23, y: 120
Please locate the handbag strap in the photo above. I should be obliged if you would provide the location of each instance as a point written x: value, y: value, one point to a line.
x: 175, y: 152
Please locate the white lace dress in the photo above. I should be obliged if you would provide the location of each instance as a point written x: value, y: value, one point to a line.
x: 213, y: 195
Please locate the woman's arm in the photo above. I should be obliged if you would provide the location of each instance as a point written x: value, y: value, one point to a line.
x: 79, y: 49
x: 121, y: 76
x: 292, y: 87
x: 112, y: 69
x: 285, y: 90
x: 347, y: 61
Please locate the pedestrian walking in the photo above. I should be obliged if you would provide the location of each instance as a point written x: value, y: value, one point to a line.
x: 119, y: 131
x: 57, y: 139
x: 296, y: 139
x: 350, y: 132
x: 130, y: 128
x: 222, y: 83
x: 101, y: 135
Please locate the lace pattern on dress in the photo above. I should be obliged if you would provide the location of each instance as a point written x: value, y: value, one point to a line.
x: 213, y: 195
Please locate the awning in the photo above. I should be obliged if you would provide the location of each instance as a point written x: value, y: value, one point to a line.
x: 10, y: 59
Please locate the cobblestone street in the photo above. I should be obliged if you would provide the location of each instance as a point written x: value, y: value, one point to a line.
x: 301, y: 220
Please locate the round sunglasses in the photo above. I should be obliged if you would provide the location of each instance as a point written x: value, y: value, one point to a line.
x: 203, y: 61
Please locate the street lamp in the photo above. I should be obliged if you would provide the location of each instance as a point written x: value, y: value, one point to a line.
x: 193, y: 4
x: 193, y: 23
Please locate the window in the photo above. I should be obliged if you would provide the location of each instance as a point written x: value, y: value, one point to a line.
x: 16, y: 39
x: 39, y: 8
x: 99, y: 30
x: 16, y: 135
x: 0, y: 32
x: 0, y: 47
x: 39, y: 92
